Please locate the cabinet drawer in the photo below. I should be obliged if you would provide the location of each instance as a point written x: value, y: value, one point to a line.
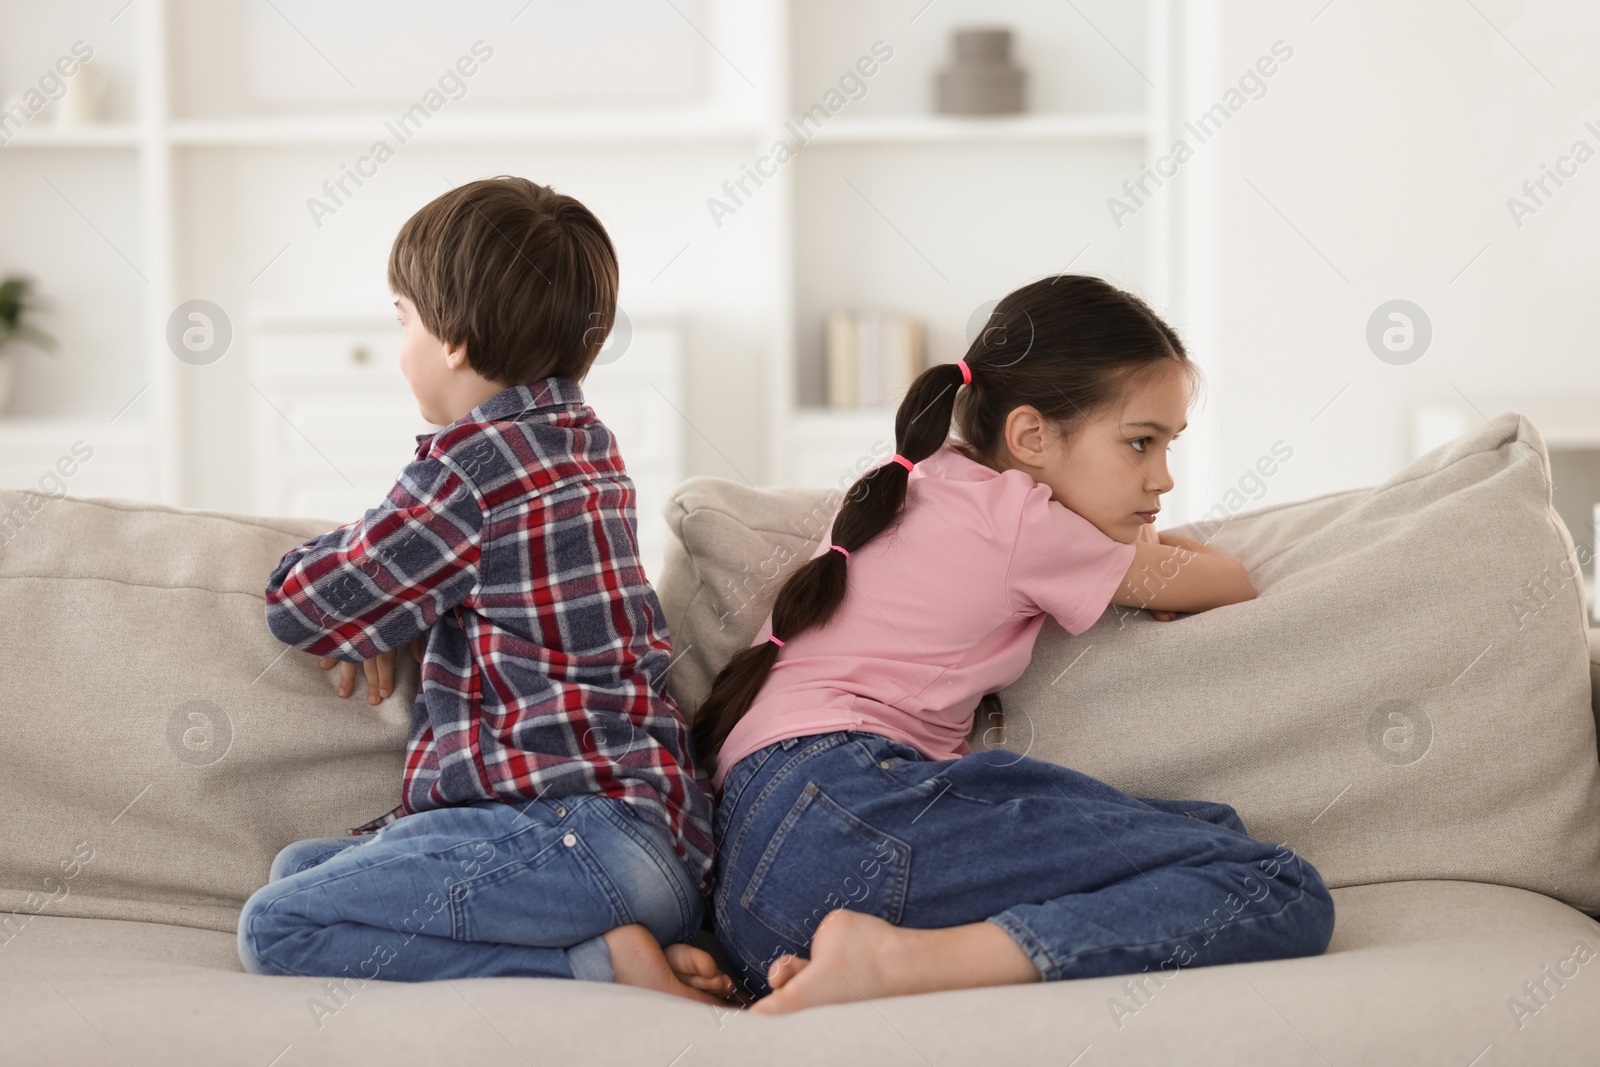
x: 364, y: 352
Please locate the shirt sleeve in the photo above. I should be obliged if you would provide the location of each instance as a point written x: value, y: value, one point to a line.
x: 373, y: 585
x: 1063, y: 564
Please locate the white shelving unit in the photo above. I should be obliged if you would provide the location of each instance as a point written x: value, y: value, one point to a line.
x: 170, y: 133
x: 885, y: 205
x: 135, y: 434
x: 886, y: 168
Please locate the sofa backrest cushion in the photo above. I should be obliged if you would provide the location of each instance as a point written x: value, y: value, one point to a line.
x: 160, y: 745
x: 1407, y: 697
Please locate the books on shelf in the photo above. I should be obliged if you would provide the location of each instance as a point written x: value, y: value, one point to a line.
x: 871, y: 357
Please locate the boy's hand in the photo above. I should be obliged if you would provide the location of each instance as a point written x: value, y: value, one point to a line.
x: 1147, y: 532
x: 379, y: 670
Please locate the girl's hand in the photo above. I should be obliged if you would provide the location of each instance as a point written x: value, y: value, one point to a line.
x: 1147, y: 532
x: 379, y: 670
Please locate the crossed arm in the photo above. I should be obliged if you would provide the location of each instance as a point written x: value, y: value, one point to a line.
x: 366, y: 590
x: 1173, y: 573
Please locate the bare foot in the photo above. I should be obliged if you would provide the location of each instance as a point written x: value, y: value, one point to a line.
x: 698, y: 968
x: 638, y: 960
x: 856, y: 957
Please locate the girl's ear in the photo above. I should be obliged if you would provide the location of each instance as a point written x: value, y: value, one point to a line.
x: 1025, y: 436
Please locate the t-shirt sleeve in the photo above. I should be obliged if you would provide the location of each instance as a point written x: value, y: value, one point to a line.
x: 1063, y: 564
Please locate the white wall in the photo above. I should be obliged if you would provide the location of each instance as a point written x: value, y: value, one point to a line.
x: 1377, y: 166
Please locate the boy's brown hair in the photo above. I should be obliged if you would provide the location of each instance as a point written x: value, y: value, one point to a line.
x: 525, y: 276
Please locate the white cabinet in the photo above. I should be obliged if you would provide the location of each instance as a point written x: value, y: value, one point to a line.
x: 58, y: 456
x: 335, y: 420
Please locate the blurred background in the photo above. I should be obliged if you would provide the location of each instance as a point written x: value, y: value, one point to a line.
x: 1374, y: 225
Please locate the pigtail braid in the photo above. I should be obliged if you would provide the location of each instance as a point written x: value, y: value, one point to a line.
x: 813, y: 592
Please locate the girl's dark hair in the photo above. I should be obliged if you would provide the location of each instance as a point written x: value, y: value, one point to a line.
x: 1069, y: 345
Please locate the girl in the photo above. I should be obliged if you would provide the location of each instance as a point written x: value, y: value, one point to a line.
x: 865, y: 849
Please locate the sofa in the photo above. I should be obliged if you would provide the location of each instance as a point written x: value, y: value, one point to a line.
x: 1409, y: 704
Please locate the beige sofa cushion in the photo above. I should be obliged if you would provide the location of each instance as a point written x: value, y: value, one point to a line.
x: 1417, y: 973
x: 160, y: 745
x: 1408, y: 697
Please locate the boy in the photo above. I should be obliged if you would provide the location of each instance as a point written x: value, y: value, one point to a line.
x: 552, y: 821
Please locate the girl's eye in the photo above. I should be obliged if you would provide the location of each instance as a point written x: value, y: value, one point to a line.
x: 1140, y: 440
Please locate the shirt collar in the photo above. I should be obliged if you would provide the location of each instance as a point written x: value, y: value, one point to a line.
x: 517, y: 399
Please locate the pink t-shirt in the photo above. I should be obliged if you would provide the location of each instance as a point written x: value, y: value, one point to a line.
x: 939, y: 610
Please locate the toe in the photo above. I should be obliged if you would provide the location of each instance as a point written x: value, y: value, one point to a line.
x: 783, y: 969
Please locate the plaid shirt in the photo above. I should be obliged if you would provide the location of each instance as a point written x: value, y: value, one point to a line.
x: 511, y: 543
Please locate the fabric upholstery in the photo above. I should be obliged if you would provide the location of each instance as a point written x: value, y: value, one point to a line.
x: 1408, y: 697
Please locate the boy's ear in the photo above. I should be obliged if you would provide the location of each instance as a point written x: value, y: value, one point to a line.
x: 455, y: 356
x: 1025, y: 435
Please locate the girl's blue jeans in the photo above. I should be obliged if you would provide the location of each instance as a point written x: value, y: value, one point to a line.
x: 1087, y: 879
x: 472, y: 891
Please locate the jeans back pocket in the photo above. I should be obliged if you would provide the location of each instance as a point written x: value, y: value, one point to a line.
x: 824, y: 857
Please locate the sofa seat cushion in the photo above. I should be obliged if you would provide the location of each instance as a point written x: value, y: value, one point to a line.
x: 1408, y: 696
x: 1418, y: 972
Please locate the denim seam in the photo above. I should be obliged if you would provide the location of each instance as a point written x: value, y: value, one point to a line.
x: 949, y: 789
x: 878, y: 767
x: 1029, y: 942
x: 623, y: 820
x: 816, y: 797
x: 436, y: 855
x: 729, y: 799
x: 422, y: 852
x: 815, y: 748
x: 597, y: 948
x: 1017, y: 926
x: 597, y: 871
x: 457, y: 891
x: 255, y: 949
x: 807, y: 797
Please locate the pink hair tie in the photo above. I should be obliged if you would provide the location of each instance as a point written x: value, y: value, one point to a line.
x: 775, y: 641
x: 903, y: 461
x: 839, y: 548
x: 966, y: 372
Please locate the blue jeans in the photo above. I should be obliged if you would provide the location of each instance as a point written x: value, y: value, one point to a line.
x: 1087, y: 879
x: 472, y: 891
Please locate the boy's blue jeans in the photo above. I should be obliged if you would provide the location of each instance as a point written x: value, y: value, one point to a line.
x: 473, y: 891
x: 1087, y: 879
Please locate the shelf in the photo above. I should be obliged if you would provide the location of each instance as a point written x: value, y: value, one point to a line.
x: 16, y: 429
x: 946, y: 129
x: 877, y: 221
x: 507, y: 128
x: 97, y: 135
x: 829, y: 419
x: 880, y: 207
x: 76, y: 455
x: 645, y: 127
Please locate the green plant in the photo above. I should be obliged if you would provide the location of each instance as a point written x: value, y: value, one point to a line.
x: 15, y: 303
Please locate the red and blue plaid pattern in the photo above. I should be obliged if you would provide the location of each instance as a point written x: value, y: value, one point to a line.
x: 511, y: 542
